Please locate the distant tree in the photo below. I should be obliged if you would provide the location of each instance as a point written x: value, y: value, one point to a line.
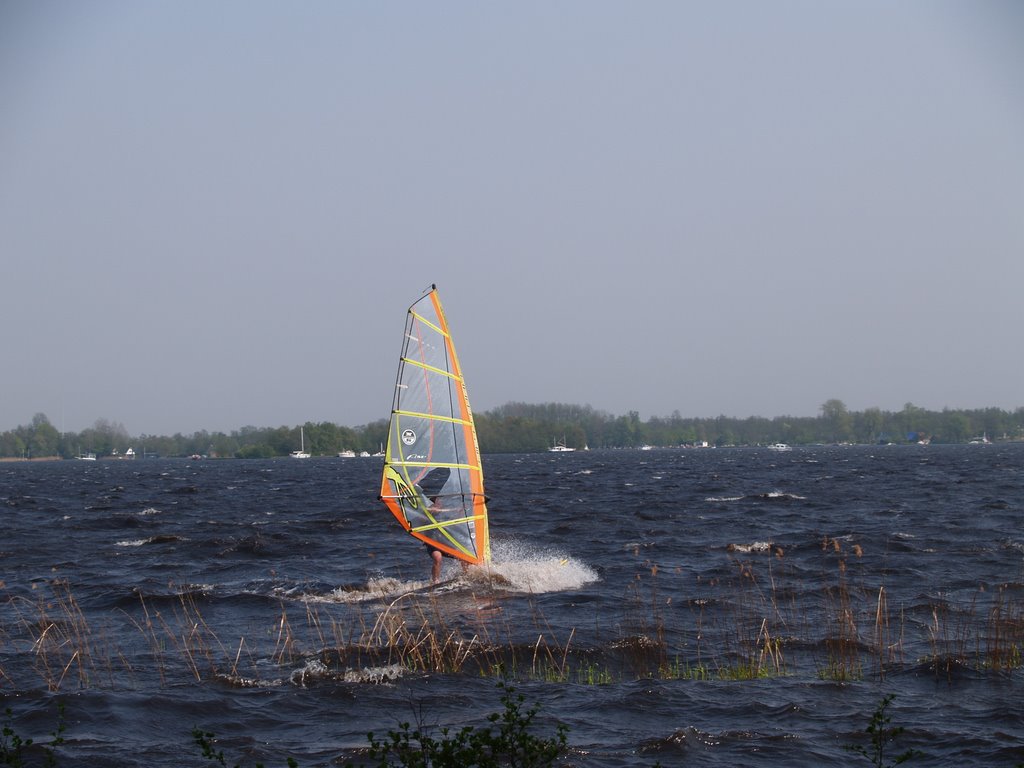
x: 839, y: 423
x: 41, y: 438
x: 11, y: 444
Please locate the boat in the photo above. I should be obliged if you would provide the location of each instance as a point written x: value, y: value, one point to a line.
x: 433, y: 479
x: 982, y: 440
x: 780, y: 447
x: 561, y: 447
x: 301, y: 453
x: 348, y: 453
x: 87, y: 456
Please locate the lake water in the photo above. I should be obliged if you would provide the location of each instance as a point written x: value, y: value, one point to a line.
x: 688, y: 607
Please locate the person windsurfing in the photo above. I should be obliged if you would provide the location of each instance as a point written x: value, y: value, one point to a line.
x: 429, y: 488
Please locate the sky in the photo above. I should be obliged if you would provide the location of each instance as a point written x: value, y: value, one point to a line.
x: 215, y: 215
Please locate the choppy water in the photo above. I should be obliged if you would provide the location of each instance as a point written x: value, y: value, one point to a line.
x: 629, y: 590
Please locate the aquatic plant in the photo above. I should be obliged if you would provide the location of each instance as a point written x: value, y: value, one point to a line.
x: 205, y: 741
x: 61, y: 641
x: 881, y: 733
x: 742, y: 624
x: 1004, y: 637
x: 14, y: 750
x: 507, y: 740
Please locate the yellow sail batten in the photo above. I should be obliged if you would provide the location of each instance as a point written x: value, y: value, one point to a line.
x: 440, y: 528
x: 399, y: 463
x: 432, y: 369
x: 434, y: 526
x: 432, y: 417
x: 429, y: 324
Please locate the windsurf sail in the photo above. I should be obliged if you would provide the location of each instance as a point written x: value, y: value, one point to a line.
x: 433, y: 481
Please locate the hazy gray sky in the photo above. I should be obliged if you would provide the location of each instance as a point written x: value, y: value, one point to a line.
x: 215, y: 215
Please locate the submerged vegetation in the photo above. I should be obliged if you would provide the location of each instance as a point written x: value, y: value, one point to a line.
x: 881, y: 732
x: 742, y: 626
x: 507, y: 739
x: 525, y: 428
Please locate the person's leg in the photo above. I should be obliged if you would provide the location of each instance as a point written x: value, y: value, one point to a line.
x: 435, y: 569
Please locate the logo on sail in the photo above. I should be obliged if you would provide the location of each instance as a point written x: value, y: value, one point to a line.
x: 409, y: 437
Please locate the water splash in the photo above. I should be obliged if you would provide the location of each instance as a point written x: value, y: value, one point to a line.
x: 520, y: 567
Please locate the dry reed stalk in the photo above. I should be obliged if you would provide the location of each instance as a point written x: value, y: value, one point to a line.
x: 1004, y: 636
x: 886, y: 648
x: 751, y: 629
x: 60, y: 643
x: 950, y: 634
x: 148, y: 631
x: 313, y: 621
x: 843, y: 641
x: 200, y: 638
x: 285, y: 643
x: 771, y: 650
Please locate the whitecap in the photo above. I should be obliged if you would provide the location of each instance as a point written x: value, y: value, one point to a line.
x: 313, y: 671
x: 375, y: 675
x: 754, y: 546
x: 381, y: 588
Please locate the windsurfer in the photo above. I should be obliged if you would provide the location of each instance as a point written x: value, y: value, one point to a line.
x: 429, y: 488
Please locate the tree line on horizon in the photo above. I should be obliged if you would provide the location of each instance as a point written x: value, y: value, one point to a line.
x: 527, y: 428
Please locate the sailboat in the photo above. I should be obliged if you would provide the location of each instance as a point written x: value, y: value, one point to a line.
x: 561, y: 447
x: 301, y: 453
x: 433, y: 479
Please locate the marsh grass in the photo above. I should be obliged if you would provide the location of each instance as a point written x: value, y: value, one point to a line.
x: 1004, y: 636
x: 741, y: 626
x: 59, y: 639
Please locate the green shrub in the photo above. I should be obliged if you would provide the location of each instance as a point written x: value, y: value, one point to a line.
x: 505, y: 741
x: 881, y: 734
x: 14, y: 750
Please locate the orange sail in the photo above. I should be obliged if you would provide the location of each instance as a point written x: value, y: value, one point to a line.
x: 433, y: 481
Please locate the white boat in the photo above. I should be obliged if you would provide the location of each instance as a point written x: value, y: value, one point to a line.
x: 87, y: 456
x: 347, y: 454
x: 779, y: 447
x: 301, y: 453
x: 561, y: 448
x: 983, y: 440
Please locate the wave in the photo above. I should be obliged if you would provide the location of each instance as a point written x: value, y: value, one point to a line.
x: 755, y: 547
x: 770, y: 496
x: 375, y: 589
x: 164, y: 538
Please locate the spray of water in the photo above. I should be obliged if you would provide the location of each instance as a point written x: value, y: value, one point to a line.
x: 518, y: 566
